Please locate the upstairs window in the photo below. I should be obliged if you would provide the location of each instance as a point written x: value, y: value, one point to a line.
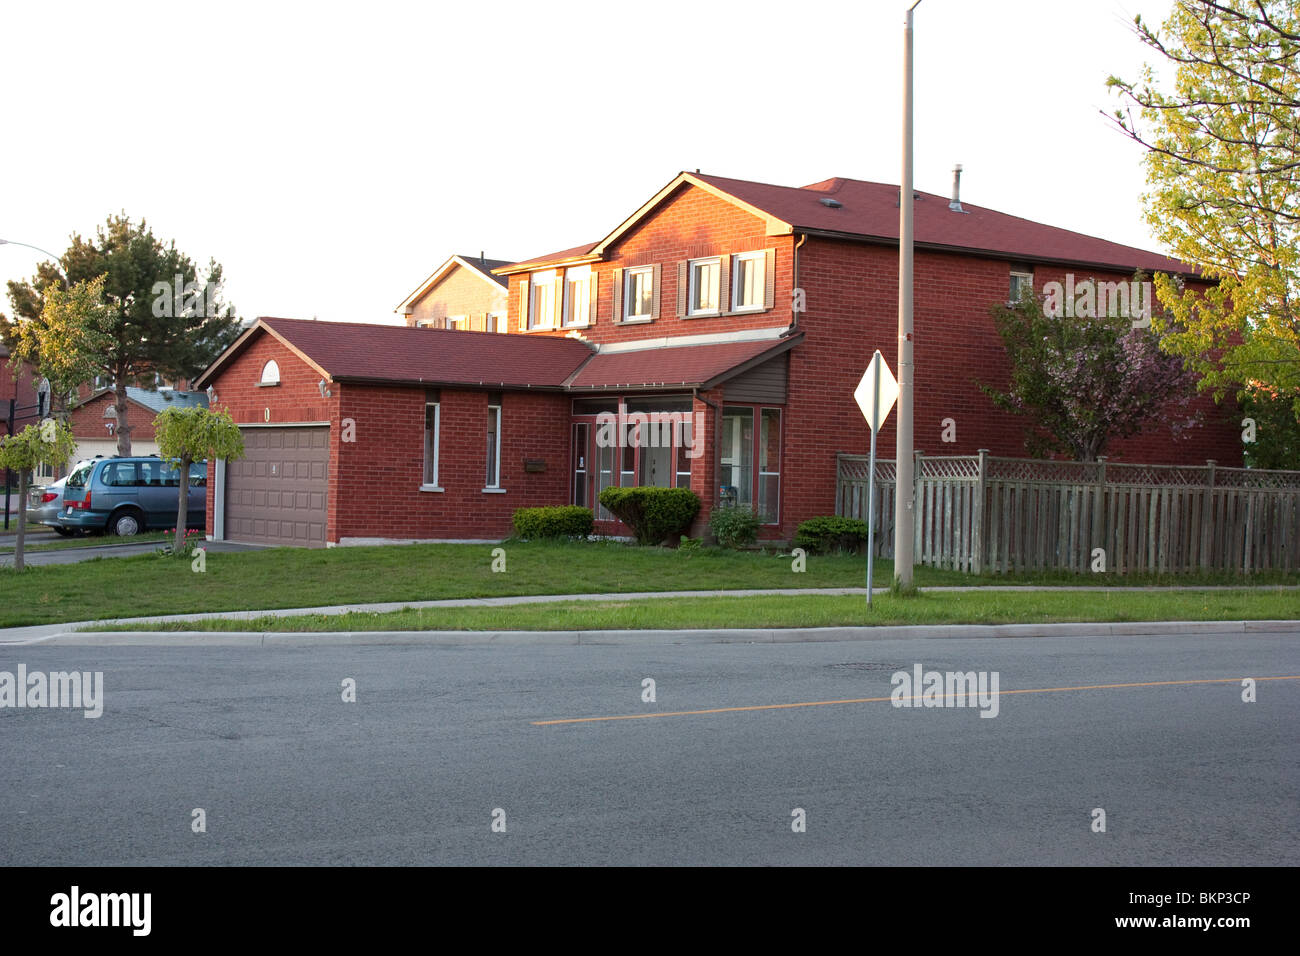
x: 749, y: 284
x: 639, y: 294
x: 458, y: 322
x: 1022, y: 283
x: 577, y: 296
x: 270, y: 373
x: 542, y: 303
x: 705, y: 286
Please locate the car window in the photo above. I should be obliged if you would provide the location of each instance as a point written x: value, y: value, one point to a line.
x: 77, y: 478
x: 199, y: 474
x: 118, y: 474
x: 159, y: 474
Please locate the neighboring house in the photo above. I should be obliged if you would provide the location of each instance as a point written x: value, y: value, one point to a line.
x: 461, y: 294
x: 687, y: 309
x: 94, y: 419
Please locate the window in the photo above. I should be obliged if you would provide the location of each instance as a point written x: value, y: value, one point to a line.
x: 496, y: 322
x: 577, y: 296
x: 119, y: 474
x: 737, y: 459
x: 750, y: 463
x: 542, y: 313
x: 270, y: 373
x: 426, y: 323
x: 494, y: 446
x: 1022, y: 283
x: 749, y: 283
x: 432, y: 414
x: 639, y: 294
x: 683, y: 455
x: 457, y: 322
x: 769, y: 464
x: 705, y: 280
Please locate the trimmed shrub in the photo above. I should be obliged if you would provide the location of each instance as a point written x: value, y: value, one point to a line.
x: 556, y: 521
x: 831, y: 533
x: 734, y: 527
x: 653, y: 514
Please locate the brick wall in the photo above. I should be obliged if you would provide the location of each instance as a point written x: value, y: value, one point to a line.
x: 691, y: 224
x: 374, y: 480
x: 852, y: 300
x: 381, y: 474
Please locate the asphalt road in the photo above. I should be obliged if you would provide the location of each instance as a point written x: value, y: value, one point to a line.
x: 287, y: 773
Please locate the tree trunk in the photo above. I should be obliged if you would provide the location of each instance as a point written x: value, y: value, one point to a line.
x: 123, y: 427
x: 22, y: 520
x: 183, y: 507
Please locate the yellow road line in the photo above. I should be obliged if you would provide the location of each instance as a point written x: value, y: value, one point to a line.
x: 876, y: 700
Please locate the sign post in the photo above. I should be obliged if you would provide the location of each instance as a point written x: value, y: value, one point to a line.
x: 875, y: 395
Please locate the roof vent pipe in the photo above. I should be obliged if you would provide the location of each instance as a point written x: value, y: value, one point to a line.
x: 955, y: 204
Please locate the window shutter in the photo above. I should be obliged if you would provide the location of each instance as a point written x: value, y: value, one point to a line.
x: 616, y: 313
x: 682, y: 268
x: 592, y: 285
x: 769, y: 278
x: 656, y: 282
x: 523, y: 303
x: 724, y: 283
x: 557, y: 300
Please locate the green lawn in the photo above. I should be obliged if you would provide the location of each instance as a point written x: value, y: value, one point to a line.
x: 982, y: 607
x: 292, y: 577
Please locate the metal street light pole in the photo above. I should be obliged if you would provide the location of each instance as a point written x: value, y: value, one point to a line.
x: 904, y: 488
x: 46, y: 252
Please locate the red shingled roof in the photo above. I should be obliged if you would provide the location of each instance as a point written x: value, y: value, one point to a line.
x: 564, y: 255
x: 355, y: 351
x: 871, y: 210
x: 679, y: 366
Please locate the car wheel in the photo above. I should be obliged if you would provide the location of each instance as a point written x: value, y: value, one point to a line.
x: 126, y: 524
x: 62, y: 532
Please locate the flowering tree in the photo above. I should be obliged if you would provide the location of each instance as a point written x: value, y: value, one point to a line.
x: 1084, y: 382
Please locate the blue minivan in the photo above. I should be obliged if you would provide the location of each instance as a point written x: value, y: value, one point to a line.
x: 125, y: 496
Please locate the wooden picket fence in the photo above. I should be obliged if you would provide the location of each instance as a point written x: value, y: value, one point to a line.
x: 980, y: 512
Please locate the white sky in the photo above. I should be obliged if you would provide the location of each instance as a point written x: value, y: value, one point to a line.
x: 331, y: 155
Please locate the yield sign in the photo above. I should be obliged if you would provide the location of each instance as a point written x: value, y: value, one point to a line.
x: 877, y: 392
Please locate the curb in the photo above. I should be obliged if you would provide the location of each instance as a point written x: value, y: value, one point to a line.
x: 278, y: 639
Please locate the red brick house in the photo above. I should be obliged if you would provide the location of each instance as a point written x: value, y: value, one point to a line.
x: 462, y: 293
x: 717, y: 334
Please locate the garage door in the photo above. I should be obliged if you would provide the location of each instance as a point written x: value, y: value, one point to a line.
x: 276, y: 493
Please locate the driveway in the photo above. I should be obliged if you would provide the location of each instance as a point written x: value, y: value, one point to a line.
x: 113, y: 548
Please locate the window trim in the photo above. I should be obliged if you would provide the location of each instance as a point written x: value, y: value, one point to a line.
x: 492, y: 483
x: 571, y: 275
x: 1018, y: 274
x: 437, y: 443
x: 263, y: 381
x: 692, y: 286
x: 537, y: 280
x: 628, y: 275
x: 761, y: 286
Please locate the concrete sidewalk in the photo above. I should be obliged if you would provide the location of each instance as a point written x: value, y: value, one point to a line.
x: 44, y: 632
